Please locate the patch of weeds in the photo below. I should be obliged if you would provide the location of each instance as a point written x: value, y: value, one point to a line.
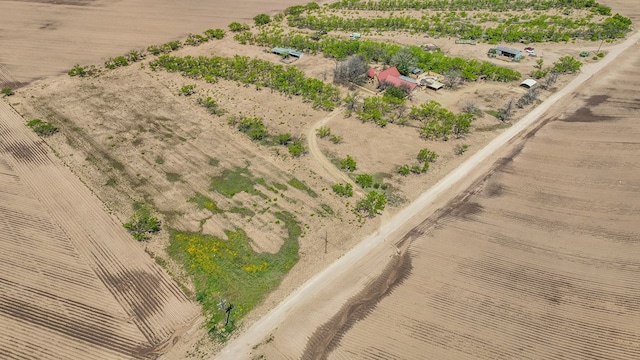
x: 204, y: 202
x: 279, y: 186
x: 42, y: 128
x: 111, y: 182
x: 302, y: 186
x: 159, y: 160
x: 142, y: 224
x: 245, y: 212
x: 229, y: 271
x: 213, y: 162
x: 327, y: 209
x: 235, y: 181
x: 172, y: 177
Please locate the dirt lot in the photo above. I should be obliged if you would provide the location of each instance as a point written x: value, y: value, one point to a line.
x: 539, y: 261
x: 74, y: 285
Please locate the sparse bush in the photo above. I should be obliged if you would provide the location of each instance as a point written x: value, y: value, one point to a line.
x: 135, y: 55
x: 472, y: 108
x: 348, y: 164
x: 83, y: 71
x: 238, y: 27
x: 460, y: 149
x: 323, y: 131
x: 211, y: 105
x: 7, y: 91
x: 284, y: 139
x: 42, y: 128
x: 214, y: 33
x: 116, y: 62
x: 404, y: 170
x: 335, y: 139
x: 426, y: 155
x: 142, y: 224
x: 188, y: 90
x: 253, y: 127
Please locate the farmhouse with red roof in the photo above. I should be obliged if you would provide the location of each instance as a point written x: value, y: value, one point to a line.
x: 393, y: 77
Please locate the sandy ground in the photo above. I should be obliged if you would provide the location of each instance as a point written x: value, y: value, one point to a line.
x: 409, y: 339
x: 540, y: 261
x: 44, y: 38
x: 74, y: 283
x: 115, y: 127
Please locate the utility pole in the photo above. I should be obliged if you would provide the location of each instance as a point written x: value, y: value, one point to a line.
x: 325, y: 241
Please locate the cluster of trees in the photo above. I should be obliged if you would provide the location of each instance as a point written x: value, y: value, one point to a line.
x: 389, y: 108
x: 473, y: 5
x: 440, y: 123
x: 381, y: 52
x: 255, y: 129
x: 539, y: 28
x: 261, y: 73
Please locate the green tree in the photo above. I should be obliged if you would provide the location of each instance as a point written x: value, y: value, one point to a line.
x: 364, y: 180
x: 372, y: 204
x: 462, y: 124
x: 348, y: 164
x: 142, y: 224
x: 404, y: 60
x: 345, y: 190
x: 567, y: 64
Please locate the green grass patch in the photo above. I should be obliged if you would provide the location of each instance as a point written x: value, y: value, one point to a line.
x: 281, y: 187
x: 173, y: 177
x: 42, y: 128
x: 204, y: 202
x: 229, y: 269
x: 214, y: 162
x: 302, y: 186
x: 245, y: 212
x: 235, y: 181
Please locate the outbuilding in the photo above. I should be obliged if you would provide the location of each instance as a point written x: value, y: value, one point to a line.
x: 529, y: 83
x: 286, y: 51
x: 515, y: 54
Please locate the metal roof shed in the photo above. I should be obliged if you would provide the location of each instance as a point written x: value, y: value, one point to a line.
x: 529, y: 83
x: 510, y: 52
x: 286, y: 51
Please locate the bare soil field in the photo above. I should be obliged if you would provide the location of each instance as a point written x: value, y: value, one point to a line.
x: 539, y: 260
x: 43, y: 38
x: 74, y: 284
x: 131, y: 137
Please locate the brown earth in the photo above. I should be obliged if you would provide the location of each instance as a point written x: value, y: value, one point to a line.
x: 74, y: 284
x: 540, y: 260
x: 115, y: 128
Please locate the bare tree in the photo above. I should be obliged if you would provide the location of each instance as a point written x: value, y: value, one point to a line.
x: 506, y: 112
x: 549, y: 80
x: 452, y: 79
x: 471, y: 107
x: 352, y: 70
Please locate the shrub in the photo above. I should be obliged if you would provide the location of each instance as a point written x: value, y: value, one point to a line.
x: 345, y: 190
x: 364, y: 180
x: 262, y: 19
x: 253, y: 127
x: 7, y: 91
x: 238, y: 27
x: 188, y: 90
x: 348, y: 163
x: 42, y: 128
x: 142, y: 224
x: 297, y: 150
x: 567, y: 64
x: 211, y: 105
x: 83, y: 71
x: 460, y: 149
x: 426, y: 155
x: 404, y: 170
x: 214, y: 33
x: 335, y: 139
x: 323, y: 131
x: 283, y: 139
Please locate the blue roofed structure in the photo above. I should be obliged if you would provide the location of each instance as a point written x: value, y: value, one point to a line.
x: 286, y: 51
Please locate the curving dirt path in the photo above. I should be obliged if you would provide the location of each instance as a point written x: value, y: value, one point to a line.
x: 317, y: 155
x: 373, y: 246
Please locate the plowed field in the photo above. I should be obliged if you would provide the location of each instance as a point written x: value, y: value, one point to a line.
x: 540, y: 261
x: 73, y: 283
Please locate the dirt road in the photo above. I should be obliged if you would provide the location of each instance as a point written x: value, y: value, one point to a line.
x: 409, y: 217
